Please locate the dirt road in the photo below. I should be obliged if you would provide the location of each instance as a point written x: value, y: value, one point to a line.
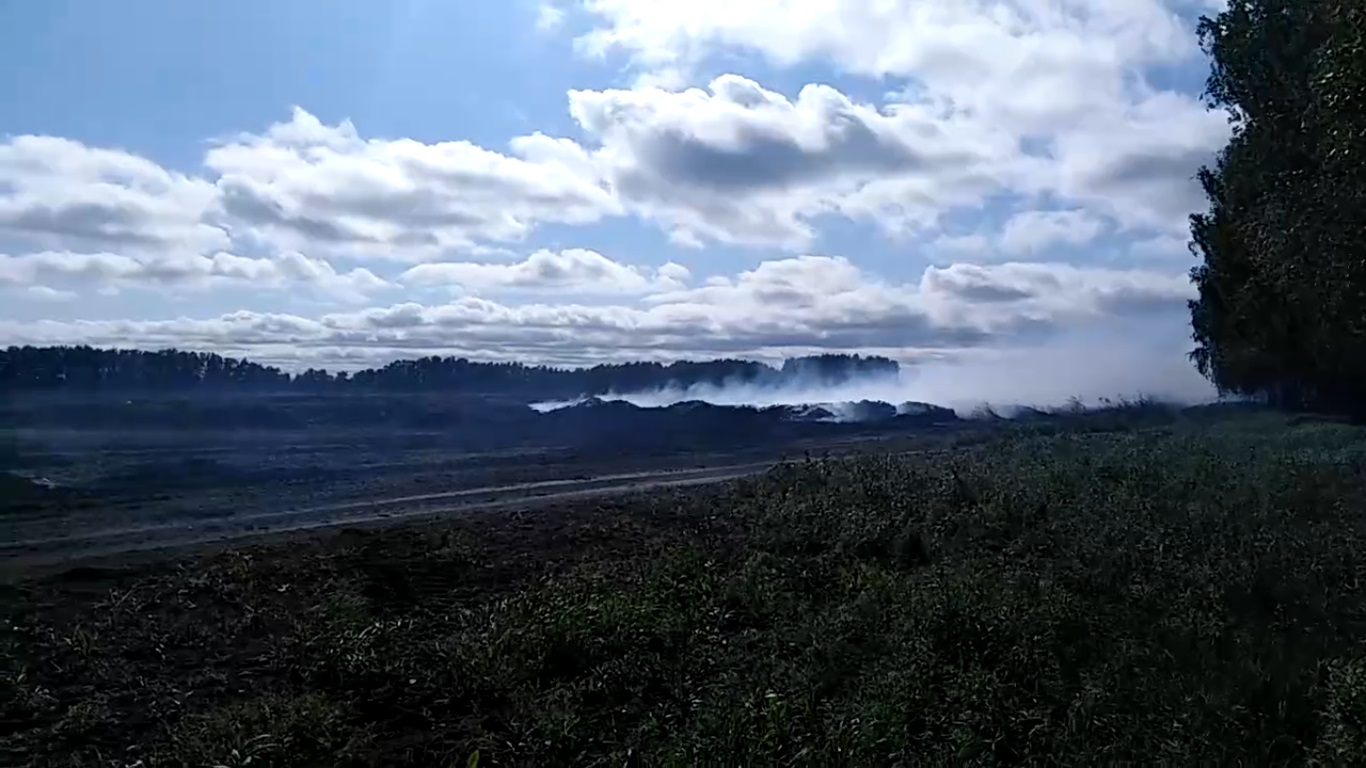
x: 21, y: 556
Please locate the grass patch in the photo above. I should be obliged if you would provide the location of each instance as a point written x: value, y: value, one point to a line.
x: 1180, y: 595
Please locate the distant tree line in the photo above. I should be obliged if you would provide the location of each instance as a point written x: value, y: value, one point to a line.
x: 83, y: 368
x: 1281, y: 313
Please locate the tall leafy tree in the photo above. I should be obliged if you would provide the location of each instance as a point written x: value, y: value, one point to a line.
x: 1281, y: 311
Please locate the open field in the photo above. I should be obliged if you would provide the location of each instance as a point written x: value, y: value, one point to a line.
x: 73, y: 463
x: 89, y: 475
x: 103, y: 542
x: 1189, y: 594
x: 82, y: 495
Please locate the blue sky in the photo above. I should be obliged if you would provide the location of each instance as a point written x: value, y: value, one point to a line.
x: 345, y: 182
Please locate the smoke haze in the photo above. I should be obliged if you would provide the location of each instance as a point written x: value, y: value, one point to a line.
x: 1041, y: 377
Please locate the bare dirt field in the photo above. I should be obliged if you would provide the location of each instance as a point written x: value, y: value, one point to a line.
x: 76, y: 495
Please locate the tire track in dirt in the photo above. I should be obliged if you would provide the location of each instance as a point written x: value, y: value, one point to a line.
x: 189, y: 534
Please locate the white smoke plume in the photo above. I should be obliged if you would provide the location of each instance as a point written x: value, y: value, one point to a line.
x: 1057, y: 375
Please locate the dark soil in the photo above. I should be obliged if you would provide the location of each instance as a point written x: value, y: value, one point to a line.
x: 1188, y: 595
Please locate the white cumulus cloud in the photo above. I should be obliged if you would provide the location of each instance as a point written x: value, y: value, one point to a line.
x: 1064, y: 87
x: 62, y: 270
x: 304, y: 183
x: 742, y: 164
x: 58, y: 193
x: 575, y: 269
x: 993, y: 139
x: 796, y: 304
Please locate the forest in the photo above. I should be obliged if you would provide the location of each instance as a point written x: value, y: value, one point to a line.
x: 83, y: 368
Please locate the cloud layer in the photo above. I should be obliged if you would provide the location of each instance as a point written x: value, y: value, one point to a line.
x: 574, y: 270
x: 1011, y: 172
x: 781, y: 307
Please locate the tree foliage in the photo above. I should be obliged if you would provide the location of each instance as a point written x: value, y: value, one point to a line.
x: 90, y: 369
x: 1281, y: 312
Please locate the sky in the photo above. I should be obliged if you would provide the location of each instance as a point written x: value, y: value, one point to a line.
x: 1000, y: 185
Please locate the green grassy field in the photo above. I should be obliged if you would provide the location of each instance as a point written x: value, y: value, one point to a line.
x: 1187, y: 594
